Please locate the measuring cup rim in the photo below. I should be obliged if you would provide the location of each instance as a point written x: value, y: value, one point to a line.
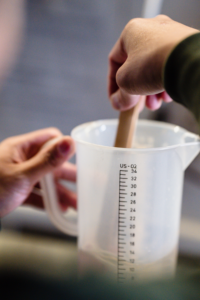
x: 175, y: 128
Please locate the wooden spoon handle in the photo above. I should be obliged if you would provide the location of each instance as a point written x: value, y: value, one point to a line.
x: 127, y: 125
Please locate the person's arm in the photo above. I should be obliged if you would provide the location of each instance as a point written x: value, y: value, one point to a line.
x: 182, y: 74
x: 137, y: 60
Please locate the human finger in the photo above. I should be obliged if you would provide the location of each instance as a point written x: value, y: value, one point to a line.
x: 48, y: 159
x: 67, y: 171
x: 121, y: 100
x: 27, y: 145
x: 66, y: 198
x: 34, y: 200
x: 153, y: 102
x: 116, y: 58
x: 165, y: 97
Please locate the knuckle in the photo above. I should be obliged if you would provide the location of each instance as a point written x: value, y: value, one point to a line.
x: 133, y: 25
x: 110, y: 57
x: 134, y: 22
x: 123, y: 79
x: 120, y: 78
x: 162, y: 18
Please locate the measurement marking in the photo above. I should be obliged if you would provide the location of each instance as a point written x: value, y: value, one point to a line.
x: 118, y: 232
x: 123, y: 224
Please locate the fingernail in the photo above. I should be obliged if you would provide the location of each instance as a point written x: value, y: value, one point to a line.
x: 63, y: 147
x: 115, y: 102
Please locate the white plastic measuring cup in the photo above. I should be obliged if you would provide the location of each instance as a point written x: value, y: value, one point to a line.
x: 129, y: 200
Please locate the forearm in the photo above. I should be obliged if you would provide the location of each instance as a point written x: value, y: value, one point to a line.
x: 182, y: 74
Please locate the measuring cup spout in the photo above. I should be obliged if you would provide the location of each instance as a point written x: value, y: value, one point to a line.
x: 188, y: 151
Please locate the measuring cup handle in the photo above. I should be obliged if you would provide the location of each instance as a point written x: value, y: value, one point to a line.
x: 52, y: 207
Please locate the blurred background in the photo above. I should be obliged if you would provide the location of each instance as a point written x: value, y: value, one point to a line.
x: 60, y: 80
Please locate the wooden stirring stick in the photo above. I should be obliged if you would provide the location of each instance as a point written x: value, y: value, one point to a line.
x: 127, y: 125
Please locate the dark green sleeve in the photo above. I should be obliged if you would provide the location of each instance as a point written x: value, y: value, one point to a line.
x: 182, y: 74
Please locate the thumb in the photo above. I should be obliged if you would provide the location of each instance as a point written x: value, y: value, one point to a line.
x: 51, y: 156
x: 121, y: 100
